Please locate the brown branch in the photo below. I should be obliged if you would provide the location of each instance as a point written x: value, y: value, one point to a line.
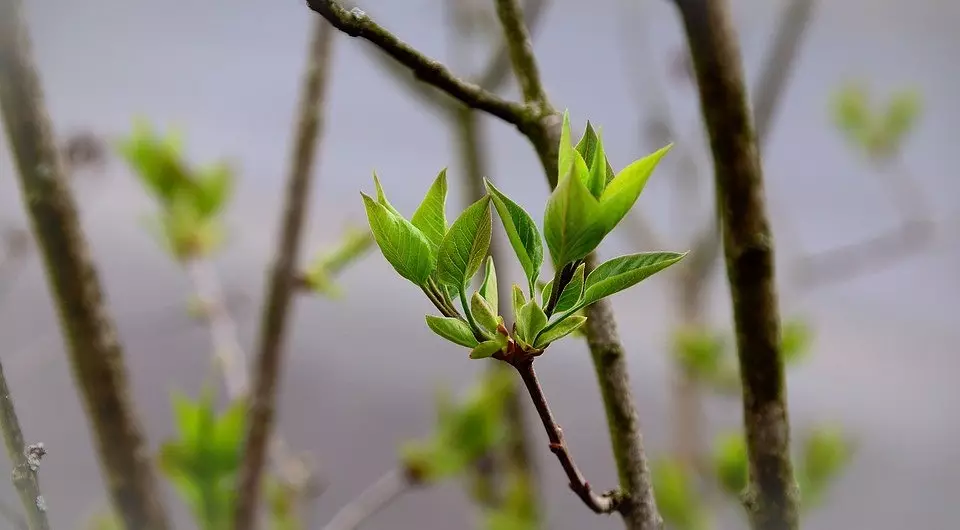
x: 520, y: 49
x: 282, y: 285
x: 25, y: 461
x: 606, y: 503
x: 498, y: 69
x: 371, y: 501
x: 356, y: 23
x: 89, y: 332
x: 772, y: 499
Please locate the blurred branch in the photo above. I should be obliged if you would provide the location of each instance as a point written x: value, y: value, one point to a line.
x: 356, y: 23
x: 25, y: 461
x: 282, y: 285
x: 95, y: 355
x: 371, y: 501
x: 772, y: 499
x: 14, y: 517
x: 14, y: 248
x: 520, y: 49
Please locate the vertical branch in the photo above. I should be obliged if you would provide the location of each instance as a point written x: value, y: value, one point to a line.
x: 772, y: 497
x: 96, y: 357
x: 25, y: 461
x: 282, y: 284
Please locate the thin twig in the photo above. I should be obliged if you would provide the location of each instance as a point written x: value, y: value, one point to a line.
x: 520, y: 48
x: 598, y: 503
x: 25, y: 461
x: 282, y: 285
x: 772, y: 496
x: 96, y: 356
x: 357, y: 24
x: 371, y: 501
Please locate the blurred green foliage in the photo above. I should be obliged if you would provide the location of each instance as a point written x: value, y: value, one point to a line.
x: 879, y: 130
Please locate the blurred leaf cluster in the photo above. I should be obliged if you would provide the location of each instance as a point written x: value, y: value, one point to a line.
x: 319, y: 276
x: 879, y: 130
x: 191, y: 200
x: 708, y: 356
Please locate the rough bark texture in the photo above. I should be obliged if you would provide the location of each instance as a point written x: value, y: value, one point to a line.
x: 96, y: 357
x: 772, y: 497
x: 281, y: 286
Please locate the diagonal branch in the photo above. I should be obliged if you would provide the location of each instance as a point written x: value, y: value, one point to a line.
x: 25, y: 460
x: 356, y: 23
x: 371, y: 501
x: 772, y: 498
x: 95, y: 355
x: 282, y: 285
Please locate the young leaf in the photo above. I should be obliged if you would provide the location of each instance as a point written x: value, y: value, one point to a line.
x: 521, y: 231
x: 488, y: 289
x: 382, y: 197
x: 573, y: 222
x: 488, y: 348
x: 518, y: 301
x: 545, y: 293
x: 430, y: 216
x: 591, y: 149
x: 561, y: 330
x: 623, y: 191
x: 625, y: 271
x: 465, y: 246
x: 483, y: 313
x: 530, y: 321
x: 573, y: 291
x: 566, y: 149
x: 404, y: 247
x: 453, y: 329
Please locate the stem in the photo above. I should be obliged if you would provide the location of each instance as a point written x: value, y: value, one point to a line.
x: 466, y: 311
x: 25, y: 461
x: 282, y: 287
x: 772, y: 497
x: 95, y: 355
x: 606, y: 503
x: 376, y: 497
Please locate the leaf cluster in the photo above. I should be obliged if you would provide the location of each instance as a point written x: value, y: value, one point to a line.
x: 878, y: 130
x: 442, y: 260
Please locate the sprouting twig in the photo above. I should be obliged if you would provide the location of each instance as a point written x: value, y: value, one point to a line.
x: 282, y: 285
x: 25, y: 461
x: 372, y: 500
x: 96, y: 356
x: 772, y: 498
x: 598, y: 503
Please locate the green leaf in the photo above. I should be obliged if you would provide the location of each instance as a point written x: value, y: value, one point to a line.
x: 488, y: 289
x: 521, y: 231
x: 573, y: 291
x: 677, y: 496
x: 518, y: 300
x: 624, y: 272
x: 487, y: 348
x: 599, y: 170
x: 730, y: 462
x: 382, y: 197
x: 573, y: 222
x: 795, y: 339
x: 483, y: 313
x: 825, y: 453
x: 559, y: 331
x: 623, y: 191
x: 214, y: 186
x: 453, y: 329
x: 430, y: 216
x: 465, y: 246
x: 402, y: 244
x: 530, y: 321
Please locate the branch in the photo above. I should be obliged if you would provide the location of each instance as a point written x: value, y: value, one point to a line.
x: 14, y: 517
x: 25, y: 461
x: 356, y: 23
x: 499, y: 66
x: 606, y: 503
x: 282, y: 285
x: 376, y: 497
x: 88, y: 330
x: 520, y: 49
x: 772, y: 498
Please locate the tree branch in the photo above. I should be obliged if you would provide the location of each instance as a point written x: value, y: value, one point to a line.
x: 375, y: 498
x: 520, y: 49
x: 96, y: 357
x: 606, y: 503
x: 282, y: 285
x: 772, y: 497
x: 357, y: 24
x: 25, y: 461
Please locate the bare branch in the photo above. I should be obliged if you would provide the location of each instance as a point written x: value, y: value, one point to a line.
x: 772, y: 499
x: 375, y: 498
x: 282, y: 285
x: 498, y: 68
x: 95, y: 355
x: 606, y: 503
x: 357, y: 24
x: 25, y: 461
x: 520, y: 49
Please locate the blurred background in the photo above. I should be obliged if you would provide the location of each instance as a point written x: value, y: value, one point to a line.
x: 883, y: 358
